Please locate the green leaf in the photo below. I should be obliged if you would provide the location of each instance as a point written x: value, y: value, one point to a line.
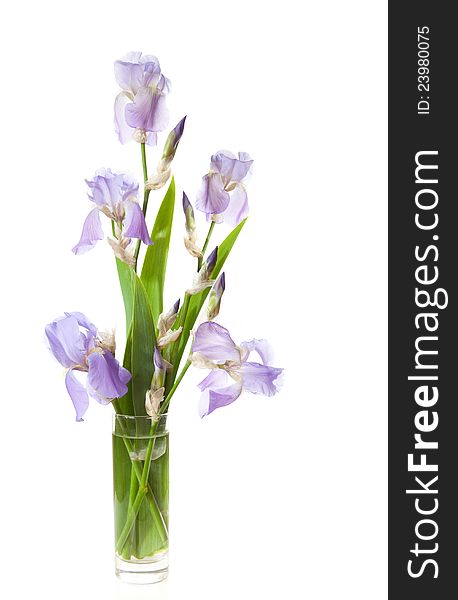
x: 138, y: 357
x: 125, y: 281
x: 155, y: 263
x: 197, y: 300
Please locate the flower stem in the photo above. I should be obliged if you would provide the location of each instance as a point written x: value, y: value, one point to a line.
x: 145, y: 198
x: 142, y: 491
x: 143, y: 485
x: 209, y: 234
x: 166, y: 402
x: 151, y: 498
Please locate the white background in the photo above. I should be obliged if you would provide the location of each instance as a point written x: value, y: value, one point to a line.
x: 270, y: 497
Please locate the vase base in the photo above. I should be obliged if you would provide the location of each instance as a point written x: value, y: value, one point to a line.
x: 142, y: 572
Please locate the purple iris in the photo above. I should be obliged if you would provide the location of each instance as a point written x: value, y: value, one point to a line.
x: 222, y: 195
x: 115, y: 195
x: 76, y: 344
x: 231, y: 373
x: 140, y: 109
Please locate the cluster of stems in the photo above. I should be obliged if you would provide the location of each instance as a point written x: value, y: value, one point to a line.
x: 140, y: 489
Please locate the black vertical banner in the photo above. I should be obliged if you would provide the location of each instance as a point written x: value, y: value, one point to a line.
x: 423, y: 300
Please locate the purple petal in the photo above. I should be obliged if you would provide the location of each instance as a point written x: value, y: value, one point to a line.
x: 123, y: 130
x: 106, y: 377
x: 242, y: 166
x: 78, y: 394
x: 65, y: 341
x: 230, y: 167
x: 148, y: 111
x: 91, y: 234
x: 134, y: 71
x: 83, y: 321
x: 237, y: 208
x: 108, y: 188
x: 216, y: 393
x: 262, y: 347
x: 212, y: 197
x: 159, y: 362
x: 151, y: 138
x: 260, y: 379
x: 215, y: 342
x: 134, y: 223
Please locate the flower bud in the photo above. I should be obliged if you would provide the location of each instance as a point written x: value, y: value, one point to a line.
x: 211, y: 261
x: 214, y: 301
x: 163, y: 171
x: 191, y: 235
x: 172, y: 141
x: 167, y: 335
x: 166, y: 320
x: 203, y: 279
x: 189, y: 214
x: 161, y: 366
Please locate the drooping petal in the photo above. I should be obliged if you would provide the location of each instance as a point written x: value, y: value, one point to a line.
x: 260, y: 379
x: 215, y: 343
x: 148, y: 111
x: 106, y: 376
x: 124, y: 131
x: 216, y: 392
x: 91, y: 234
x: 262, y: 347
x: 237, y: 208
x: 218, y: 378
x: 78, y: 394
x: 66, y: 342
x: 212, y: 197
x: 134, y: 223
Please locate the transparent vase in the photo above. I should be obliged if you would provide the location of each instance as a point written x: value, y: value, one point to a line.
x: 141, y: 497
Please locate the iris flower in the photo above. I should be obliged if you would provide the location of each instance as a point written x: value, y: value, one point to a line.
x: 140, y: 109
x: 222, y: 195
x: 76, y: 344
x: 115, y: 195
x: 230, y: 371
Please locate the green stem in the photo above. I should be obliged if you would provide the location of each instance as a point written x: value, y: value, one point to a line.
x: 204, y: 248
x: 151, y: 498
x: 129, y: 547
x: 143, y: 487
x: 145, y: 198
x: 166, y: 402
x: 143, y: 490
x: 181, y: 320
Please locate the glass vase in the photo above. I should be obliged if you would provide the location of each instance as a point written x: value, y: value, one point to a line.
x: 141, y: 497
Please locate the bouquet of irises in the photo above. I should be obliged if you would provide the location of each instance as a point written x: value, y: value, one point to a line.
x: 158, y: 331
